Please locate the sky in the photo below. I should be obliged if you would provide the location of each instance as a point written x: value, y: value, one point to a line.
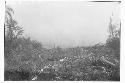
x: 65, y: 23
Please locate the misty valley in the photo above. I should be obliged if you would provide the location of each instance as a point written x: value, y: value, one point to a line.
x: 29, y: 60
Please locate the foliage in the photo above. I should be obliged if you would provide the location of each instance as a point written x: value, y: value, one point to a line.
x: 95, y: 64
x: 113, y: 41
x: 12, y: 30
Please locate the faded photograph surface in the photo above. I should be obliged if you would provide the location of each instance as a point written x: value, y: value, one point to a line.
x: 62, y: 41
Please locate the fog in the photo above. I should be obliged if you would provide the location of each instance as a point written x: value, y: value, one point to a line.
x: 65, y: 23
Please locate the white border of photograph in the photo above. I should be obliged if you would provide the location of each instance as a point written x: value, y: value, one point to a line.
x: 122, y: 58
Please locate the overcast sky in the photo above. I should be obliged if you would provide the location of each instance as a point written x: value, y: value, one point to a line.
x: 65, y: 23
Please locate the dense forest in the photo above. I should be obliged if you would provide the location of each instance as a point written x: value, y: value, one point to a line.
x: 28, y: 60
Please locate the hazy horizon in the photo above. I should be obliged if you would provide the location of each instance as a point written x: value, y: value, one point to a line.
x: 65, y: 24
